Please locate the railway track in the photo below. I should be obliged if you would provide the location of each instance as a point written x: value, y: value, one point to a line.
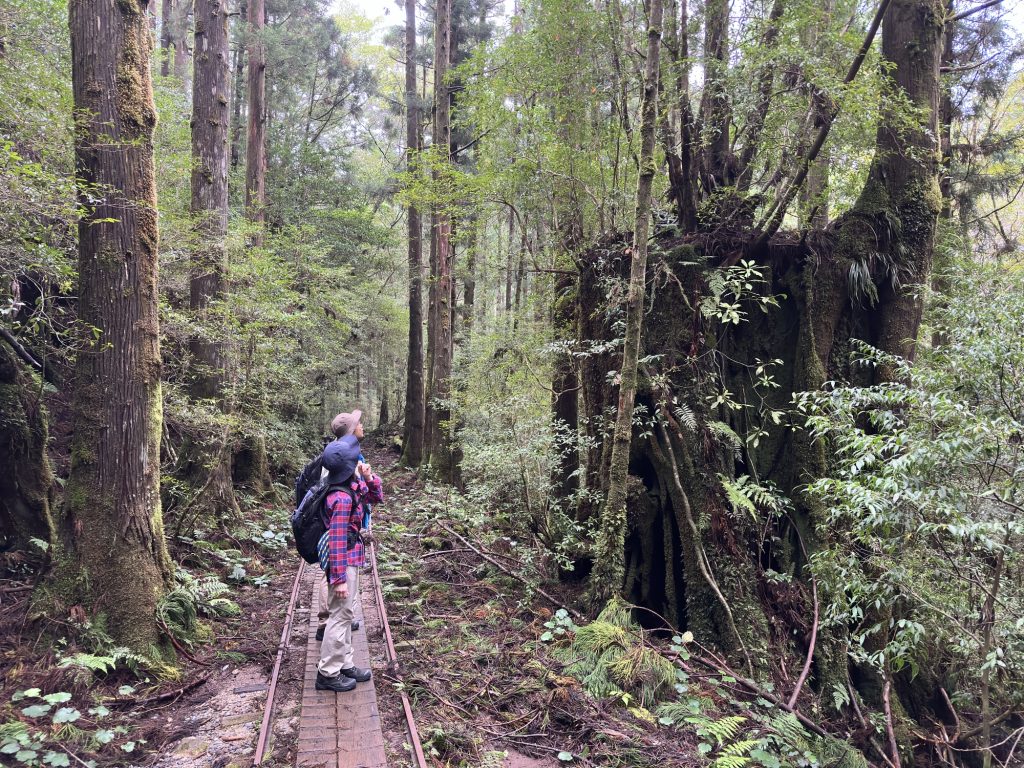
x: 263, y: 739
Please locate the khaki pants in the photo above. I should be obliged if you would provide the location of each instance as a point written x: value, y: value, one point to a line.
x: 325, y: 598
x: 336, y: 648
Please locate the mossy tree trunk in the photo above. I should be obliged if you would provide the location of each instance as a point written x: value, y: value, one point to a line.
x: 689, y: 555
x: 111, y: 557
x: 27, y: 477
x: 609, y: 566
x: 210, y: 458
x: 441, y: 449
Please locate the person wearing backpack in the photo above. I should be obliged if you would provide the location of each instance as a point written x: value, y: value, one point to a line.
x: 341, y: 425
x: 353, y: 484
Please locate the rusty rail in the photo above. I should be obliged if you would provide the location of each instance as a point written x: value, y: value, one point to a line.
x: 261, y: 743
x: 414, y: 736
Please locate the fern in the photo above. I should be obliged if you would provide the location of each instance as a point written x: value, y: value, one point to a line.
x: 730, y: 761
x: 738, y: 748
x: 725, y: 436
x: 791, y: 730
x: 721, y: 730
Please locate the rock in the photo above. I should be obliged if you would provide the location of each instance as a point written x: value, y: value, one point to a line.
x: 245, y: 717
x: 191, y: 747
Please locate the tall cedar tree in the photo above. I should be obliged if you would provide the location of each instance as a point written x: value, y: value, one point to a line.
x: 111, y: 557
x: 440, y: 449
x: 256, y: 146
x: 210, y: 123
x: 610, y: 567
x: 414, y: 406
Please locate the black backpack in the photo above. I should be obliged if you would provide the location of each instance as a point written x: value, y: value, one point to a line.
x: 310, y: 520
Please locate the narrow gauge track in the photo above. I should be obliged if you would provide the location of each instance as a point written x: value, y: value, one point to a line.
x: 265, y: 727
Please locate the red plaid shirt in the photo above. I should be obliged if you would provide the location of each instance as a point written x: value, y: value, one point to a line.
x: 343, y: 520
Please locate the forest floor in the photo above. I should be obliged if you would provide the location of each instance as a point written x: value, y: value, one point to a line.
x: 472, y: 641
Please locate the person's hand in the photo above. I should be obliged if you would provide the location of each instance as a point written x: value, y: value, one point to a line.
x: 364, y: 470
x: 341, y: 590
x: 366, y: 536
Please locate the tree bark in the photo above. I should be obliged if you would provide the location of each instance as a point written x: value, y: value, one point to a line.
x: 716, y: 115
x: 208, y: 280
x: 25, y: 483
x: 255, y: 148
x: 166, y: 37
x: 412, y: 436
x: 111, y: 556
x: 238, y: 94
x: 441, y: 455
x: 609, y: 568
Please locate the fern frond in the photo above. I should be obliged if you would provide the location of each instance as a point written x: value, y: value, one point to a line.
x: 730, y: 761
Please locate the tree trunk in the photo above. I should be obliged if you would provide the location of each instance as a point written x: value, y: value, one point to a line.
x: 255, y: 147
x: 27, y: 477
x: 166, y: 36
x: 211, y: 463
x: 182, y: 10
x: 609, y: 568
x: 716, y: 170
x: 412, y: 436
x: 111, y: 556
x: 238, y: 94
x: 441, y: 456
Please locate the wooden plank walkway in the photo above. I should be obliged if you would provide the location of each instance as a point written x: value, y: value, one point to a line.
x: 339, y: 730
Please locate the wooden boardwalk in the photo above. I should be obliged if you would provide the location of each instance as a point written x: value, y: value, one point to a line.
x: 339, y: 730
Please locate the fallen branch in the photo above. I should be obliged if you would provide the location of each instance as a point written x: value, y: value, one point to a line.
x: 575, y: 614
x: 160, y: 696
x: 814, y: 629
x: 702, y: 561
x: 19, y: 350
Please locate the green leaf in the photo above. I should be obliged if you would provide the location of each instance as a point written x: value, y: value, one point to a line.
x: 128, y: 746
x: 66, y: 715
x: 36, y: 710
x: 766, y: 759
x: 565, y: 757
x: 24, y: 755
x: 547, y: 637
x: 703, y: 748
x: 99, y: 711
x: 9, y: 748
x: 27, y: 693
x: 57, y: 698
x: 125, y: 690
x: 104, y: 736
x: 58, y: 759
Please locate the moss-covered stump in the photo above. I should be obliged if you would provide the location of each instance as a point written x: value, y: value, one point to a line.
x: 26, y: 480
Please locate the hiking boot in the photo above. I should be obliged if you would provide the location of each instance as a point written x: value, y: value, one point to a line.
x: 320, y: 632
x: 355, y: 674
x: 338, y: 684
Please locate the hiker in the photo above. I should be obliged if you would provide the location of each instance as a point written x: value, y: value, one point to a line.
x: 341, y: 425
x: 336, y: 670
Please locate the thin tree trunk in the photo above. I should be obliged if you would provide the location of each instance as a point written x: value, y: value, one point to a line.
x: 112, y: 558
x: 412, y: 437
x: 209, y: 208
x: 255, y: 147
x: 166, y: 39
x: 609, y: 567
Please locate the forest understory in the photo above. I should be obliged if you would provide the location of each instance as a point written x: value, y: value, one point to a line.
x: 688, y: 334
